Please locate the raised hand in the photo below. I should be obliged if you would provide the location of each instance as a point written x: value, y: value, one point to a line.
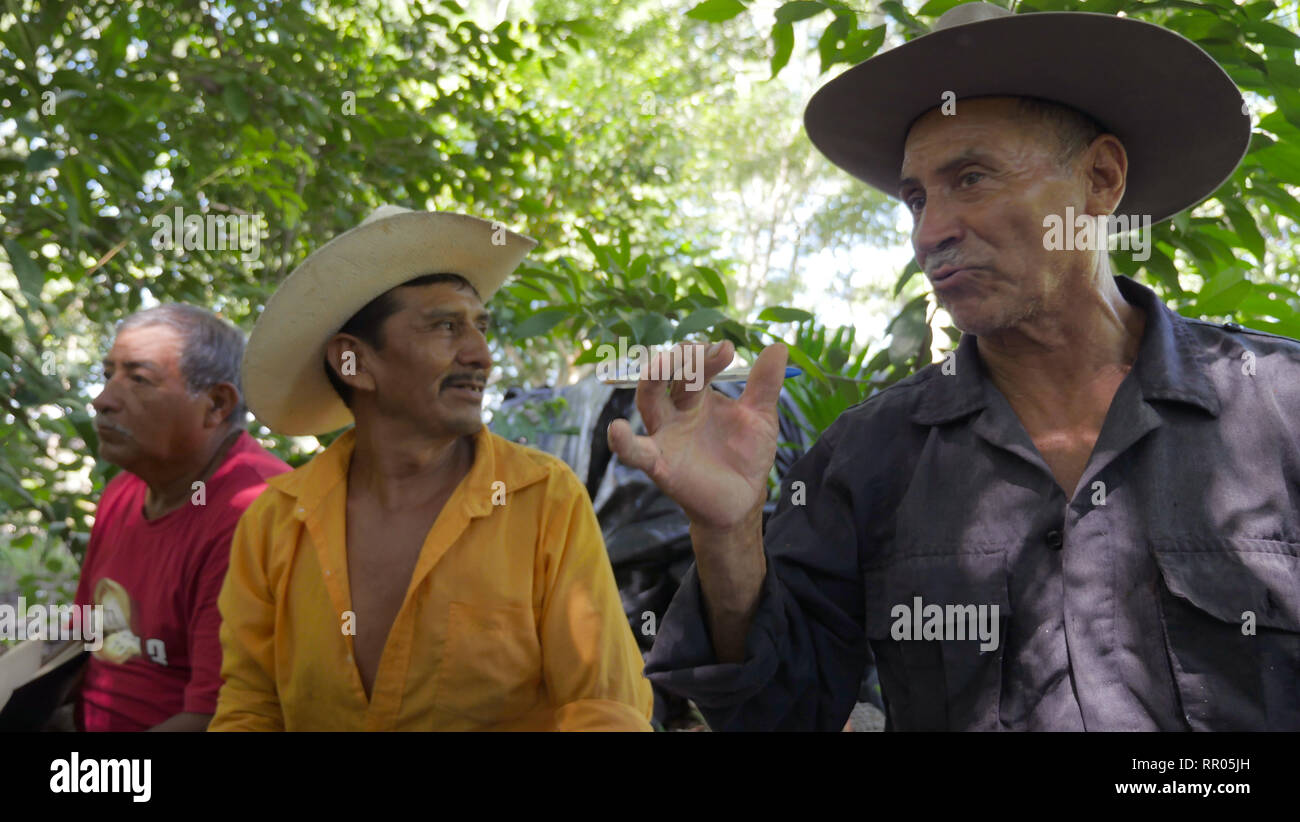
x: 711, y: 454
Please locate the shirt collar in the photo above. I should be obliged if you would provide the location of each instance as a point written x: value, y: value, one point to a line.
x: 494, y: 462
x: 1169, y: 366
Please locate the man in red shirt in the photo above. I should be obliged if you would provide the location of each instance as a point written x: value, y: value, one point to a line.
x: 171, y: 415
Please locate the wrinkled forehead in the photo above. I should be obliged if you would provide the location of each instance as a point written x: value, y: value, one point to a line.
x: 155, y: 342
x: 978, y: 128
x: 447, y: 298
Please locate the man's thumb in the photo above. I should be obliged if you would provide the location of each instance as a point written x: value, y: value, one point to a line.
x: 763, y: 388
x: 635, y: 451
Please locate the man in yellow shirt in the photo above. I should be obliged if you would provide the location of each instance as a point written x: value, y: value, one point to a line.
x: 421, y: 573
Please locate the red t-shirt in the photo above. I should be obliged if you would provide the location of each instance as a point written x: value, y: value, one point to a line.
x: 158, y: 582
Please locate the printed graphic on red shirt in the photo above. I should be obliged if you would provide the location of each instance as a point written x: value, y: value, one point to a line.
x: 121, y: 642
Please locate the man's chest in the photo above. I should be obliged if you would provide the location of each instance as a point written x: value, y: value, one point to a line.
x: 382, y: 552
x: 1066, y: 438
x: 447, y: 609
x: 381, y: 557
x: 1178, y: 531
x: 959, y: 487
x: 1066, y: 452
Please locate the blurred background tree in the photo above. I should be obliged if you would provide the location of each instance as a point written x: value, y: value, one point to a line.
x: 657, y: 154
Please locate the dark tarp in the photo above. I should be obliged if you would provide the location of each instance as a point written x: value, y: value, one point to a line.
x: 646, y: 533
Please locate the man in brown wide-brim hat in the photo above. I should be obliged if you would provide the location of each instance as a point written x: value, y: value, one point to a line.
x: 1085, y: 518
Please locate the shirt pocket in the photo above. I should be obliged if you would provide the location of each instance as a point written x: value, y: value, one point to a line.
x: 491, y: 670
x: 939, y: 684
x: 1232, y: 674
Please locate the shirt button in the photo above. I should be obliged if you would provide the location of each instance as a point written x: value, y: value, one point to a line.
x: 1054, y: 540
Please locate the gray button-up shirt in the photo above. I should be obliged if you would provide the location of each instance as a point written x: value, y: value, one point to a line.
x: 1164, y: 595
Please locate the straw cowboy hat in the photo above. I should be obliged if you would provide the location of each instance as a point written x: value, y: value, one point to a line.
x: 1179, y: 115
x: 284, y: 381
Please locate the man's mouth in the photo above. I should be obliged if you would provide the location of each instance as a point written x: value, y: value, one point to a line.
x: 110, y: 432
x: 949, y: 273
x: 466, y: 388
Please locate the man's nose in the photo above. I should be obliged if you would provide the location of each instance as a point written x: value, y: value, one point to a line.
x: 939, y: 227
x: 106, y: 400
x: 476, y: 352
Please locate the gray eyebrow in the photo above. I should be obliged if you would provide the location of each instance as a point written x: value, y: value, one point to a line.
x: 967, y: 156
x: 149, y: 364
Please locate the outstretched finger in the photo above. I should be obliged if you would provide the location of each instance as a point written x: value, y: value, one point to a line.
x: 763, y: 388
x: 701, y: 362
x: 652, y: 400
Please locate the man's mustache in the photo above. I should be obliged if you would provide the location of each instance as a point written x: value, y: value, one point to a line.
x: 953, y: 260
x: 479, y: 377
x: 940, y: 259
x: 112, y: 426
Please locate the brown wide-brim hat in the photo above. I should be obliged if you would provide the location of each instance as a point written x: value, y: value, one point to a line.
x: 284, y: 380
x: 1179, y: 115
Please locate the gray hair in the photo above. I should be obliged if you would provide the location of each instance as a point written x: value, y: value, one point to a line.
x: 1074, y: 130
x: 213, y: 347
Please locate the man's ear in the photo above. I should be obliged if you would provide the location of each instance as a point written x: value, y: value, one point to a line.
x: 346, y: 355
x: 222, y: 400
x: 1106, y: 167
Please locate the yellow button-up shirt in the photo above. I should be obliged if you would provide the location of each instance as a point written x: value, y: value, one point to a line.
x: 511, y: 621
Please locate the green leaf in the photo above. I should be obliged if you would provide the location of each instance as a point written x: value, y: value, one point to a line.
x: 1246, y: 229
x: 935, y: 8
x: 651, y: 329
x: 1223, y: 302
x: 623, y: 254
x: 781, y: 314
x: 1265, y: 301
x: 895, y: 10
x: 580, y: 26
x: 1288, y: 101
x: 41, y: 159
x: 638, y: 267
x: 783, y: 40
x: 1282, y: 160
x: 829, y: 44
x: 113, y: 40
x: 590, y: 242
x: 801, y: 359
x: 540, y: 323
x: 698, y: 321
x: 1202, y: 25
x: 1270, y: 34
x: 862, y: 44
x: 12, y: 484
x: 1259, y: 10
x: 236, y: 100
x: 715, y: 11
x: 1278, y: 199
x: 590, y: 355
x: 713, y: 281
x: 909, y: 271
x: 908, y: 331
x: 799, y: 10
x: 30, y: 278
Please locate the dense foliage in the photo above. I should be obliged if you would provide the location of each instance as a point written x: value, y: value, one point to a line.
x: 672, y: 195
